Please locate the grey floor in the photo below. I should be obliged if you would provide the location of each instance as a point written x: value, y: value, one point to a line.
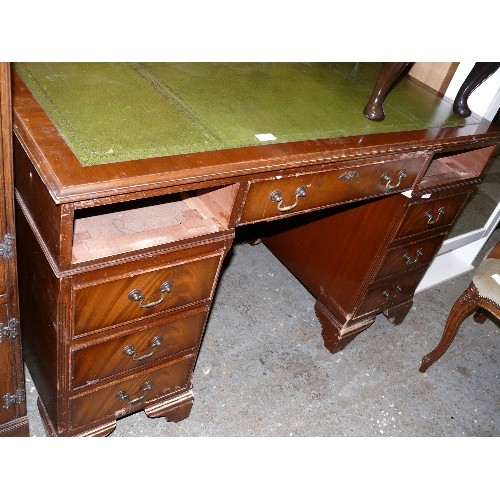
x: 263, y: 370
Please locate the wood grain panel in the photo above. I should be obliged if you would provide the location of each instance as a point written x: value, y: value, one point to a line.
x: 328, y: 188
x: 427, y: 214
x: 435, y: 76
x: 13, y: 420
x: 403, y: 258
x: 177, y: 335
x: 389, y: 293
x: 100, y: 305
x: 351, y: 240
x: 95, y: 406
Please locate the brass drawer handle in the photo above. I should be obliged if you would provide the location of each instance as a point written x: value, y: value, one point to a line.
x: 428, y: 214
x: 277, y: 197
x: 147, y: 386
x: 386, y: 177
x: 349, y: 176
x: 136, y: 295
x: 409, y: 260
x: 389, y: 296
x: 130, y: 350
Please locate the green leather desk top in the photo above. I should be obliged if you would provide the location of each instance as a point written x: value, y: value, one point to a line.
x: 110, y: 112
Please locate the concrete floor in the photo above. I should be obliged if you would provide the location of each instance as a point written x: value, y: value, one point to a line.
x: 263, y: 369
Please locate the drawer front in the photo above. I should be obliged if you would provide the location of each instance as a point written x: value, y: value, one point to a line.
x: 153, y: 342
x: 155, y: 291
x: 403, y: 258
x: 425, y: 215
x: 390, y: 293
x: 272, y: 198
x: 132, y: 394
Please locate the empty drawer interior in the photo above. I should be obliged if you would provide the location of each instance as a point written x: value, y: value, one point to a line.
x: 138, y: 224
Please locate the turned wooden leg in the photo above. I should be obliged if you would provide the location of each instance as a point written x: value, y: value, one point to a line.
x: 464, y: 305
x: 388, y: 74
x: 479, y: 73
x: 396, y: 315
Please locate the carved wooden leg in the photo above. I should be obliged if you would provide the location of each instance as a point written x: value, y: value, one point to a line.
x: 464, y: 305
x: 479, y: 73
x: 336, y: 335
x: 396, y: 315
x: 388, y: 74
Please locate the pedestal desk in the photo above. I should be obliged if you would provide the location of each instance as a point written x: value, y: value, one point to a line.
x: 119, y: 255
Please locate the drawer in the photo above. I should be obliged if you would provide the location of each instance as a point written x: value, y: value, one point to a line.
x: 390, y: 292
x: 276, y: 197
x: 406, y: 257
x: 131, y: 394
x: 90, y: 364
x: 426, y: 214
x: 123, y: 299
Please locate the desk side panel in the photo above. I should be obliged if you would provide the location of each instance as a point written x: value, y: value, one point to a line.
x: 38, y: 295
x: 44, y: 212
x: 351, y: 240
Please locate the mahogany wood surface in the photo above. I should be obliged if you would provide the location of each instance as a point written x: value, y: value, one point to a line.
x: 323, y: 189
x: 158, y: 340
x: 13, y: 419
x: 362, y: 260
x: 105, y: 403
x: 42, y: 327
x: 353, y: 240
x: 350, y: 242
x: 424, y: 215
x: 191, y: 283
x: 397, y: 314
x: 407, y: 256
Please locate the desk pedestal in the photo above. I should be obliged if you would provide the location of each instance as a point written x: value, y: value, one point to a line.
x: 367, y: 259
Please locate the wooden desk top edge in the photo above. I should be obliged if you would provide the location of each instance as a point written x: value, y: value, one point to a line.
x: 68, y: 181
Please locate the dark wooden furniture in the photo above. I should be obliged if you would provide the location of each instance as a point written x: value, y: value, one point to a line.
x: 390, y: 72
x: 482, y: 296
x: 13, y: 419
x: 363, y: 260
x: 478, y: 74
x: 116, y: 317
